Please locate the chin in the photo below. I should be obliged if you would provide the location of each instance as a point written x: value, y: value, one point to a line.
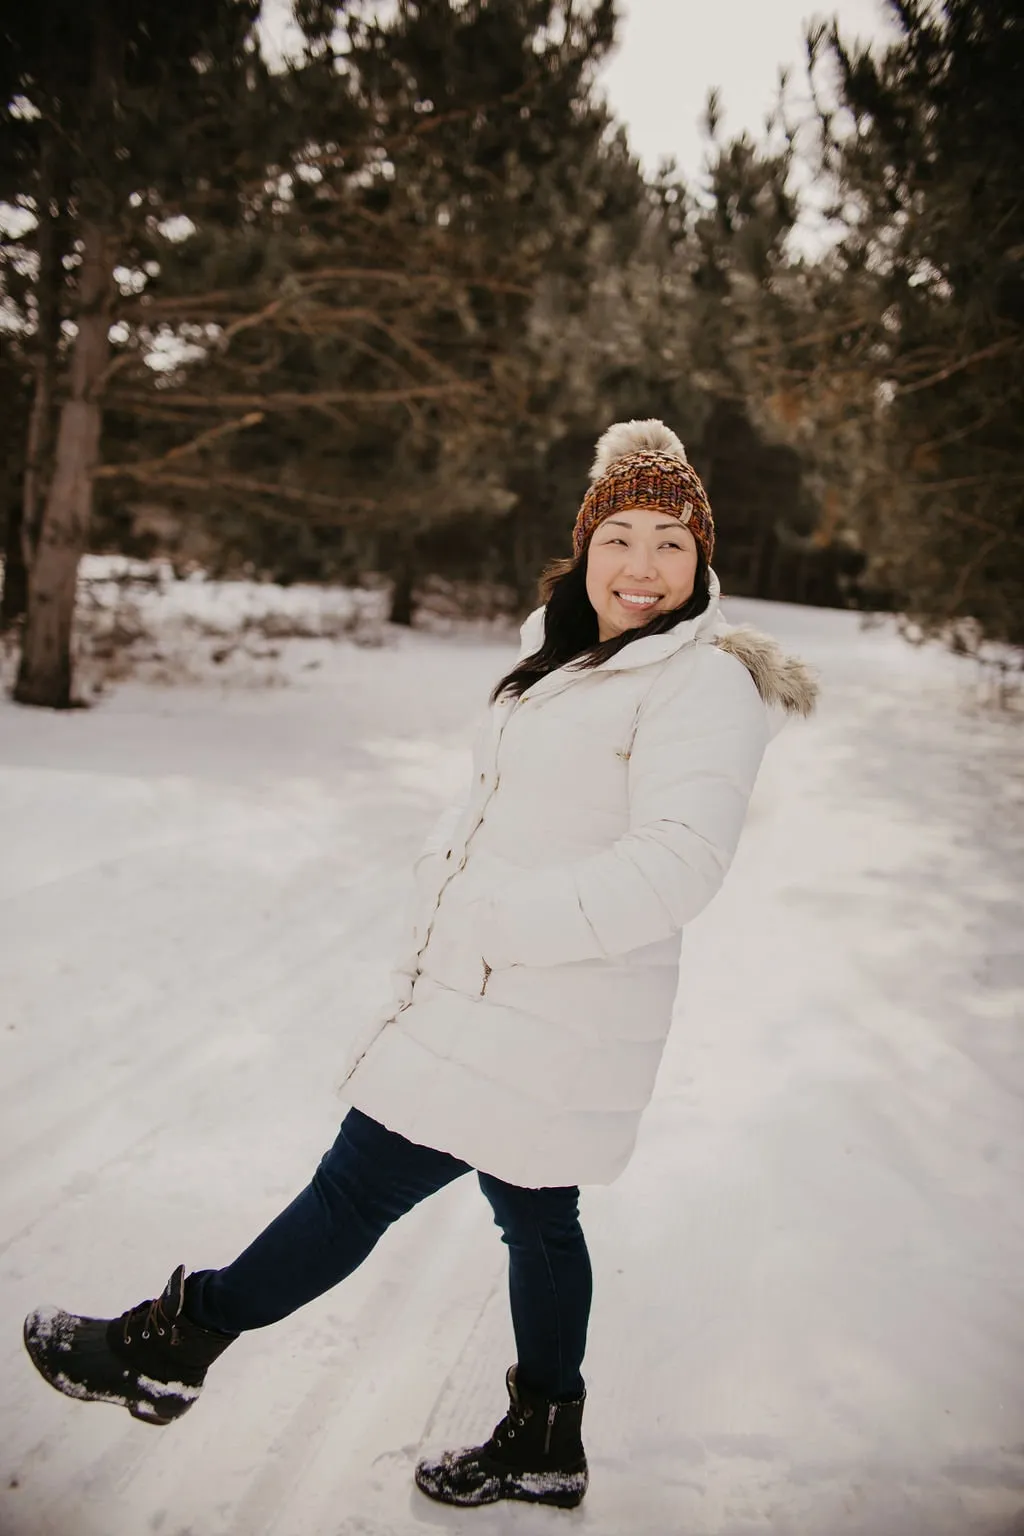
x: 621, y: 625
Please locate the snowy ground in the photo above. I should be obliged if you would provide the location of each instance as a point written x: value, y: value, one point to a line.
x: 809, y: 1316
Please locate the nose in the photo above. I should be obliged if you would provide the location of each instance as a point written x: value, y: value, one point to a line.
x: 639, y: 565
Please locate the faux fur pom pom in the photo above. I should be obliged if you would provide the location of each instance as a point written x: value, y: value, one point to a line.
x: 627, y: 437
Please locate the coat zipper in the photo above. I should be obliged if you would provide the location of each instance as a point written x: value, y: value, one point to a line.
x: 462, y: 864
x: 552, y: 1410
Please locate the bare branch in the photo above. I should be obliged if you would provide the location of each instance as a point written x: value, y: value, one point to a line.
x: 244, y: 484
x: 290, y: 400
x: 148, y: 307
x: 957, y: 367
x: 112, y: 471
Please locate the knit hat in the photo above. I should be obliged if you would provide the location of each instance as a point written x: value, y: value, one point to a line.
x: 643, y: 464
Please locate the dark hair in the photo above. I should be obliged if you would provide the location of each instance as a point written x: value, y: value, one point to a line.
x: 571, y: 628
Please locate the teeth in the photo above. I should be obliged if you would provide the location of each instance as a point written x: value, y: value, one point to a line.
x: 639, y: 602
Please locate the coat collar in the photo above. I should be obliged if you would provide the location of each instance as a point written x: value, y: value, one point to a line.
x: 641, y: 653
x: 782, y: 681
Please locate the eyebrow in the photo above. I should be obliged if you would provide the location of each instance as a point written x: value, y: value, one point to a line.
x: 658, y: 527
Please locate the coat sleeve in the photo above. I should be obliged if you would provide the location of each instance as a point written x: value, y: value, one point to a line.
x: 694, y: 760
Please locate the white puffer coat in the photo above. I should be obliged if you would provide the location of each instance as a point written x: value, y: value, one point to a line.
x: 603, y: 813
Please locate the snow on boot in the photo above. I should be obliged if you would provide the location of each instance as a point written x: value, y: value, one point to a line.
x: 535, y: 1454
x: 150, y: 1360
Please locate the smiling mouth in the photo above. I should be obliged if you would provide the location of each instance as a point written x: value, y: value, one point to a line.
x: 639, y: 600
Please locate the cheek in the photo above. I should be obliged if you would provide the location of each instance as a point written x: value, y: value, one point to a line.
x: 682, y: 578
x: 598, y: 575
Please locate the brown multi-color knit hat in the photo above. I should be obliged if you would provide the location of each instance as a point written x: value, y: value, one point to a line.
x: 643, y: 464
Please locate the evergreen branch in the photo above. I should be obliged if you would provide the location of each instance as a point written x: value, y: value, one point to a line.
x: 407, y: 137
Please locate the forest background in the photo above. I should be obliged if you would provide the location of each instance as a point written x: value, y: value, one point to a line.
x: 359, y: 317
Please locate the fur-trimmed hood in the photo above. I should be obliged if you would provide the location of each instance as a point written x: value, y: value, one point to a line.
x: 784, y: 682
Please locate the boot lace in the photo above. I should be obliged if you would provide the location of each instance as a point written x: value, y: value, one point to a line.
x: 512, y: 1421
x: 147, y: 1318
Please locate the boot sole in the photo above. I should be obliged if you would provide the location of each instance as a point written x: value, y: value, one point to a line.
x: 512, y: 1495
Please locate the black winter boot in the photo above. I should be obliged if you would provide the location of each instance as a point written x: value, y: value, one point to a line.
x: 535, y: 1454
x: 150, y: 1360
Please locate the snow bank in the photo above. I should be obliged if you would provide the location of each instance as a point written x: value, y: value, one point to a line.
x: 137, y: 618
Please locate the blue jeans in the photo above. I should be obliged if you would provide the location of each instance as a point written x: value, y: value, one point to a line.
x: 369, y: 1178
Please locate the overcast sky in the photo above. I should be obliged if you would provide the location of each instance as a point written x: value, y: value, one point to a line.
x: 671, y: 52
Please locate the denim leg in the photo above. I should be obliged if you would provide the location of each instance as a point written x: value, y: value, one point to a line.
x: 369, y: 1178
x: 549, y: 1280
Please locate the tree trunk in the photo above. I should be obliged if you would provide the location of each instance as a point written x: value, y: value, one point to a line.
x: 44, y: 676
x: 40, y: 425
x: 402, y: 595
x: 15, y: 594
x: 24, y: 522
x: 403, y: 578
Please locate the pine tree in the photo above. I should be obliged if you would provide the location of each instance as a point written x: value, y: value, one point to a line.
x: 365, y: 235
x: 95, y: 103
x: 926, y: 297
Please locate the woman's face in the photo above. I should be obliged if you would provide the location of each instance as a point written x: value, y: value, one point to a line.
x: 639, y: 563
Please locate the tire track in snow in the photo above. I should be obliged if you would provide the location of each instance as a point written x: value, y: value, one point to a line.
x: 422, y: 1280
x: 342, y: 1426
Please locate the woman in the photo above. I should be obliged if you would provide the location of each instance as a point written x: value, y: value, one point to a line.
x: 610, y: 784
